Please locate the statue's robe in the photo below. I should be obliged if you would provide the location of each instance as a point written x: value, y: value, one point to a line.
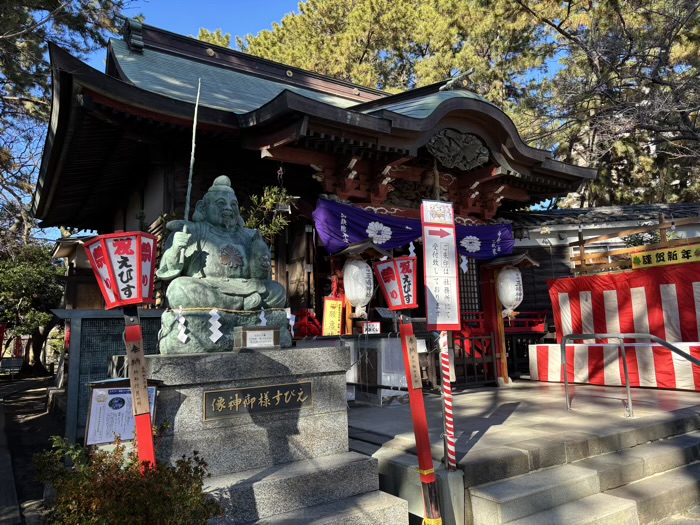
x: 218, y: 270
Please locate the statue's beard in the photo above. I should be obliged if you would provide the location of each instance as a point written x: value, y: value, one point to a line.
x: 229, y: 223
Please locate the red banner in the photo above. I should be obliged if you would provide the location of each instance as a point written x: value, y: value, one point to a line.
x: 664, y: 302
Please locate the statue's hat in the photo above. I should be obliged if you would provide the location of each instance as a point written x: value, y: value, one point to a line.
x: 221, y: 183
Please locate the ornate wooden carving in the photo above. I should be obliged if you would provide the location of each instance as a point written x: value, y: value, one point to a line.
x: 454, y: 149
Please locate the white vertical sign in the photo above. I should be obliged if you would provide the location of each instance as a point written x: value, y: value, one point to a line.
x: 440, y: 262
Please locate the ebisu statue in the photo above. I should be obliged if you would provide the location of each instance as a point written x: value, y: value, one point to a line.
x: 220, y: 273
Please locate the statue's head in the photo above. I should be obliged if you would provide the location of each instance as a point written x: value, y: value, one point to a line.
x: 219, y: 206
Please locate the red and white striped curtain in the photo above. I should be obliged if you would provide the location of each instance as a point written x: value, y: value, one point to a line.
x: 664, y: 302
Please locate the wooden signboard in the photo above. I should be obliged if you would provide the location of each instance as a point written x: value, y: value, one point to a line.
x: 332, y: 316
x: 666, y: 256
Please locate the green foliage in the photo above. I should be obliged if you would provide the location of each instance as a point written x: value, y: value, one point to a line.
x: 29, y: 287
x: 107, y: 488
x: 646, y: 238
x: 214, y: 37
x: 397, y: 45
x: 26, y: 26
x: 263, y: 214
x: 626, y: 97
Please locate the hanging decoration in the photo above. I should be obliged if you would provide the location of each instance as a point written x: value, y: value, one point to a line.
x: 340, y: 225
x: 359, y: 284
x: 124, y: 265
x: 509, y: 285
x: 397, y: 280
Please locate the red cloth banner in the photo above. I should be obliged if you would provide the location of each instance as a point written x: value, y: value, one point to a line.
x: 664, y: 302
x: 649, y: 365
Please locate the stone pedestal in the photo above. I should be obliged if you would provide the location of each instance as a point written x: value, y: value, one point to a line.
x: 275, y: 464
x: 251, y: 440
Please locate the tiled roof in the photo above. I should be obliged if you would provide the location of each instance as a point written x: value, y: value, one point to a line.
x: 605, y: 214
x: 176, y: 77
x: 424, y: 106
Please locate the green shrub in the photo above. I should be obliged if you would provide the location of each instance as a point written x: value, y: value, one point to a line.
x: 108, y: 488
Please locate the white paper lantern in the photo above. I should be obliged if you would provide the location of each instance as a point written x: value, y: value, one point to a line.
x: 509, y: 286
x: 358, y: 283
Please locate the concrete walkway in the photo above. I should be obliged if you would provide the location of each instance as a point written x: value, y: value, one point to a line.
x: 490, y: 418
x: 9, y: 504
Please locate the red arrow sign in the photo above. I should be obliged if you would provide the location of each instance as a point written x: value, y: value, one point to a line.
x: 439, y: 233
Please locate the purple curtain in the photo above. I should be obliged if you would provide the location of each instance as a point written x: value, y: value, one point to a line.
x: 340, y: 225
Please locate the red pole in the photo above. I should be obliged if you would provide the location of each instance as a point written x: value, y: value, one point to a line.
x: 133, y: 339
x: 420, y: 425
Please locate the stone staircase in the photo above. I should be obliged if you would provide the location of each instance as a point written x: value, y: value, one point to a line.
x: 641, y: 472
x: 639, y: 475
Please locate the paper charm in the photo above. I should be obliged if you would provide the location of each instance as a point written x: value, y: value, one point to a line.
x: 291, y: 318
x: 464, y: 265
x: 411, y: 249
x: 215, y: 325
x: 263, y: 320
x: 182, y: 329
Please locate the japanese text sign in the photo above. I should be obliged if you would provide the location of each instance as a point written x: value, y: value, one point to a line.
x: 371, y: 327
x: 440, y: 262
x: 124, y: 265
x: 667, y: 256
x: 110, y: 414
x: 332, y: 316
x: 397, y: 280
x: 221, y: 404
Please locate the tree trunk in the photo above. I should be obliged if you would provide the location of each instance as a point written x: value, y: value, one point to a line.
x: 32, y: 366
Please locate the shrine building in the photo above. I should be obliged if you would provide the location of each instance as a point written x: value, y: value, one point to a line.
x: 117, y: 154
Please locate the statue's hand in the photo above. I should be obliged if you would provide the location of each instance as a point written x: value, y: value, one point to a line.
x: 252, y: 301
x: 181, y: 240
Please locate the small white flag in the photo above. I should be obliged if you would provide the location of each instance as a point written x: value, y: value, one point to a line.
x: 464, y: 265
x: 182, y: 329
x: 215, y: 325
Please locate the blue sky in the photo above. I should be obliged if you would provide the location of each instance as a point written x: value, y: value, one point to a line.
x: 238, y: 17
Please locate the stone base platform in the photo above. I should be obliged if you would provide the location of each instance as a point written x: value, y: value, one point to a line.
x: 278, y: 463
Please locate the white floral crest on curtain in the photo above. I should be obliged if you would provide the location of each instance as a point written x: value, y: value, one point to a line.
x: 471, y: 244
x: 378, y: 232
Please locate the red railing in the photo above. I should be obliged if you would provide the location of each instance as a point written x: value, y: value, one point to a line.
x: 473, y: 323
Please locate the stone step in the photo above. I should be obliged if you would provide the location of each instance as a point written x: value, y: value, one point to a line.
x: 363, y: 447
x: 663, y: 494
x: 373, y: 508
x: 598, y: 509
x: 488, y: 464
x: 510, y: 499
x: 260, y: 493
x: 616, y: 469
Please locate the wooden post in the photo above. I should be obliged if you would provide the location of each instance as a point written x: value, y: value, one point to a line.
x: 348, y: 317
x: 581, y: 250
x: 500, y: 329
x: 662, y: 228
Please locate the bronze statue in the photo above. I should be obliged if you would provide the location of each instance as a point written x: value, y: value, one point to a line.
x: 217, y: 263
